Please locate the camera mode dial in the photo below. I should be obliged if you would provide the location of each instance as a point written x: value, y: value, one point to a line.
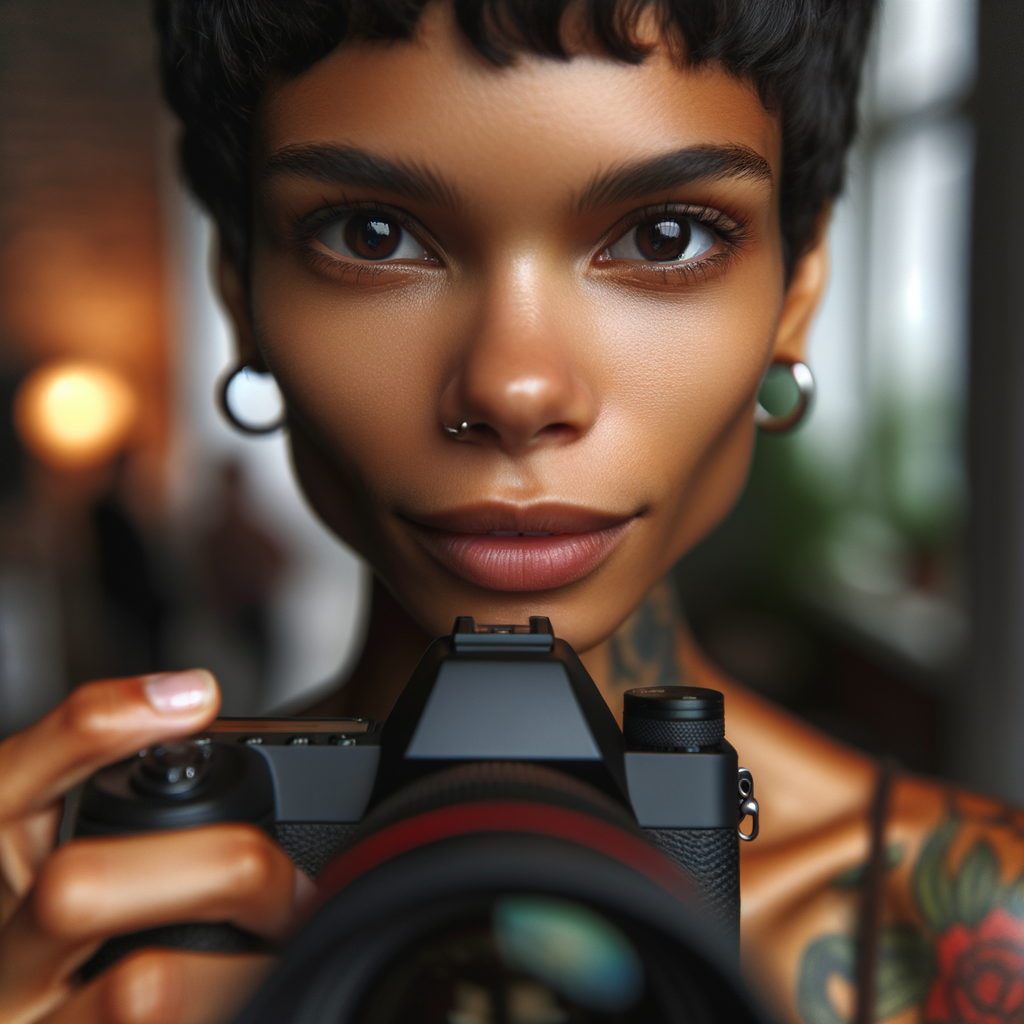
x: 173, y: 769
x: 177, y: 785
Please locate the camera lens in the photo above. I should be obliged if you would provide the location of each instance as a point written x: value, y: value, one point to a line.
x: 504, y: 893
x: 173, y: 769
x: 533, y: 959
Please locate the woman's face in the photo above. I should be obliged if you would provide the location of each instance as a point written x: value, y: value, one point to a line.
x: 580, y: 259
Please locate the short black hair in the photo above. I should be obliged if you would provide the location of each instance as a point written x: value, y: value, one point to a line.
x: 804, y: 57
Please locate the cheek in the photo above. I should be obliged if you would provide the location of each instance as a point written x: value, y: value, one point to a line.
x: 683, y: 376
x: 362, y: 371
x: 681, y: 372
x: 674, y: 377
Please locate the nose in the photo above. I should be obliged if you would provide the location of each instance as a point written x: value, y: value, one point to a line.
x: 521, y: 380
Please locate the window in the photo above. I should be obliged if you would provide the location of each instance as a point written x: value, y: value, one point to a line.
x: 838, y: 584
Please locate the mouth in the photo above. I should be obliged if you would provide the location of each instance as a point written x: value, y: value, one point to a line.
x: 510, y: 549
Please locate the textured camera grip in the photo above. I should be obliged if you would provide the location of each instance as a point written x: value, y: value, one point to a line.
x: 711, y: 857
x: 313, y: 844
x: 199, y: 937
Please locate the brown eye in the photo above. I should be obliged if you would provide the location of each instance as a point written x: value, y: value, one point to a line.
x: 665, y: 240
x: 373, y: 237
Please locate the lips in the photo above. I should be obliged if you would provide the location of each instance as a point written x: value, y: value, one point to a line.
x: 502, y: 548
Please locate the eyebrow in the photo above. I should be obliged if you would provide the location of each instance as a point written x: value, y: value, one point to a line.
x: 345, y: 165
x: 671, y: 170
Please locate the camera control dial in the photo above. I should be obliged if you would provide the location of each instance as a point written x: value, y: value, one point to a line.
x: 173, y: 769
x: 673, y: 718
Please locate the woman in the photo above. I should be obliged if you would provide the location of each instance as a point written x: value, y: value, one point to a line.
x: 519, y: 270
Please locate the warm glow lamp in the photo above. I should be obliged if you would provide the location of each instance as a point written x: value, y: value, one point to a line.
x: 74, y: 414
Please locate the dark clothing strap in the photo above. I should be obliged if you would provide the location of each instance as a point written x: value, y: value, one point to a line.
x: 874, y: 896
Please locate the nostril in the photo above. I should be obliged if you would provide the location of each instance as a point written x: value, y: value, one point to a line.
x: 515, y: 411
x: 483, y: 431
x: 555, y: 432
x: 470, y: 431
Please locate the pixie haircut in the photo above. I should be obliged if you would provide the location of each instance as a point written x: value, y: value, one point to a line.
x: 803, y: 57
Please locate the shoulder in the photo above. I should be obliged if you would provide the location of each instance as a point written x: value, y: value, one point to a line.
x: 951, y: 940
x: 804, y: 780
x: 951, y: 946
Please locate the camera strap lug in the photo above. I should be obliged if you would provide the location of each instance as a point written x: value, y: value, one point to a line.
x: 747, y: 805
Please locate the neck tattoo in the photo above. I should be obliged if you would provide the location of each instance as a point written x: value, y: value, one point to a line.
x: 643, y: 649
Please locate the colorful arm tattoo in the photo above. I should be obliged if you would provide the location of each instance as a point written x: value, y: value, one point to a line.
x: 960, y: 962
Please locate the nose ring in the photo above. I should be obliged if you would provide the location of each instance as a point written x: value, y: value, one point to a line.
x: 456, y: 433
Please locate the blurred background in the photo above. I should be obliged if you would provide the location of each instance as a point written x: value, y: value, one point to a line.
x: 871, y: 578
x: 137, y: 530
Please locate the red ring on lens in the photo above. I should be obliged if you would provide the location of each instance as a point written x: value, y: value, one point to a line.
x: 520, y: 816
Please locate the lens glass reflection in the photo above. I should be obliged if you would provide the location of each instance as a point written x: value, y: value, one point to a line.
x: 579, y: 953
x: 531, y: 960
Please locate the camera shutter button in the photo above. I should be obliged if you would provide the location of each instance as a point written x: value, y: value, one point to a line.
x: 689, y: 718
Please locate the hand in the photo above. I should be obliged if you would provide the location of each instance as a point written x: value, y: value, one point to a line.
x: 58, y: 906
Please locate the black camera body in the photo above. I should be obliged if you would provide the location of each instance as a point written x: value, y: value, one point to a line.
x: 482, y: 698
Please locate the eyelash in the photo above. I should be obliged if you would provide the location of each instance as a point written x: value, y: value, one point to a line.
x: 731, y: 233
x: 312, y: 224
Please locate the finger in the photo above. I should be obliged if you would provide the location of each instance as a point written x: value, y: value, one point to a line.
x: 94, y: 888
x: 162, y: 987
x: 24, y: 845
x: 99, y: 723
x: 35, y: 969
x: 231, y: 872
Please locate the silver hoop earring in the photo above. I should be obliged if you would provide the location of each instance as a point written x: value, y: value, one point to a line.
x: 262, y: 421
x: 456, y: 433
x: 804, y: 381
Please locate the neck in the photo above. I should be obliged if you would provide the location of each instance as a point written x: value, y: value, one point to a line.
x: 641, y: 652
x: 801, y: 775
x: 394, y: 645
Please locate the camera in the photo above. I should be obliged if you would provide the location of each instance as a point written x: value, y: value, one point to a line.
x: 498, y: 849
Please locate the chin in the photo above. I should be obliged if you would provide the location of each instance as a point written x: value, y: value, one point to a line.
x: 584, y: 613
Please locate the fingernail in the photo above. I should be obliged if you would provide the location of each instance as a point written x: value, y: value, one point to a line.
x: 174, y: 692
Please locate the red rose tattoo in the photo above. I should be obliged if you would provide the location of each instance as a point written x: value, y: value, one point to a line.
x: 980, y: 973
x: 962, y: 963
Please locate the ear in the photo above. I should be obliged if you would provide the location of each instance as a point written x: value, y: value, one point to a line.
x: 236, y: 301
x: 805, y: 291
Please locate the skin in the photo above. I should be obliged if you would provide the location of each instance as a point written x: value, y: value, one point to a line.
x: 596, y: 386
x: 582, y: 378
x: 57, y: 907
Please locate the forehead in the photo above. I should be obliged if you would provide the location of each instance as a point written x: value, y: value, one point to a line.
x: 435, y: 101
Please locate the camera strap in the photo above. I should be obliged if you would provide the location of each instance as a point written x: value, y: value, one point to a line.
x: 874, y: 895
